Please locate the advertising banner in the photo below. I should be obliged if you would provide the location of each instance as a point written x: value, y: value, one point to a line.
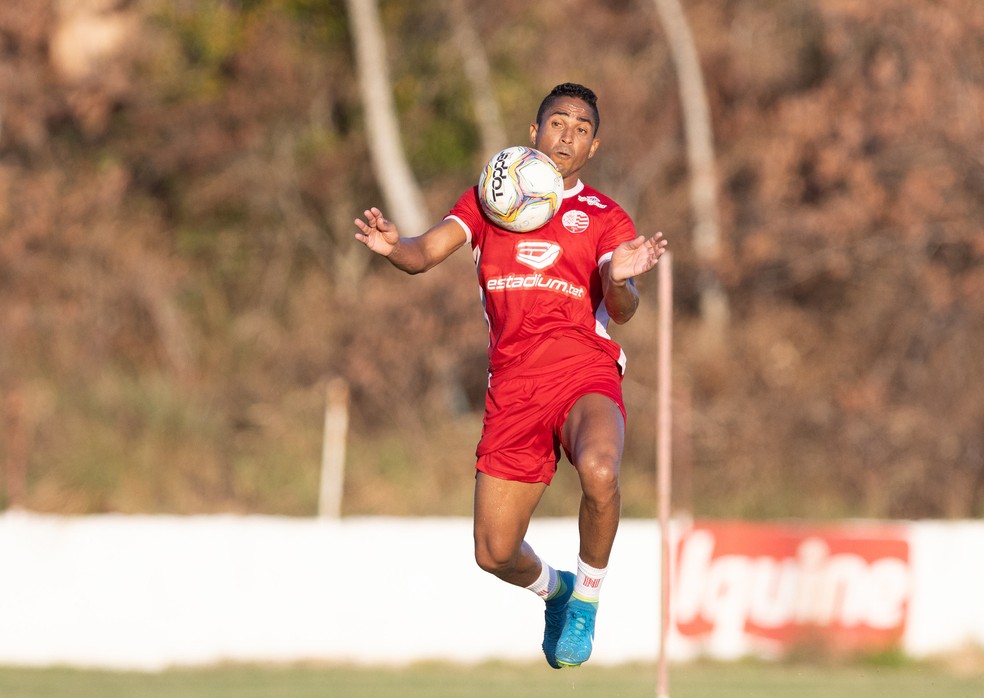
x: 766, y: 589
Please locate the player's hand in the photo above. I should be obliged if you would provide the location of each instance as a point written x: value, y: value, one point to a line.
x: 636, y: 257
x: 377, y: 233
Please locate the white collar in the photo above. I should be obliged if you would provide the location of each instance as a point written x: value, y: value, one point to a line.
x: 576, y: 189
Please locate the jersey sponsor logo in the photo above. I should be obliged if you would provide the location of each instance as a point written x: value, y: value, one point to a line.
x: 537, y: 254
x: 521, y: 282
x: 592, y: 201
x: 575, y: 221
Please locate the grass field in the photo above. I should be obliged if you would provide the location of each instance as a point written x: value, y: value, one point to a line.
x: 752, y: 679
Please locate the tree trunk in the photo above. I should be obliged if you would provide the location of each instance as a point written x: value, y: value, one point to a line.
x: 404, y: 202
x: 700, y: 156
x: 475, y: 63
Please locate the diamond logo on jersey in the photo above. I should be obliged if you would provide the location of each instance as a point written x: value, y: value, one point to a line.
x: 575, y: 221
x: 537, y: 254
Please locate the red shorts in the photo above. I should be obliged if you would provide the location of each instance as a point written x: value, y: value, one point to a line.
x: 524, y: 415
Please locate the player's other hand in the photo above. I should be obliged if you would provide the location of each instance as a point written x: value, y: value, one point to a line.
x: 377, y: 233
x: 636, y: 257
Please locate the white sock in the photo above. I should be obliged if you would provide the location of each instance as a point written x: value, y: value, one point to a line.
x: 546, y: 583
x: 589, y: 579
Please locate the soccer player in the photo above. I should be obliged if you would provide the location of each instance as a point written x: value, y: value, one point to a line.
x: 554, y: 372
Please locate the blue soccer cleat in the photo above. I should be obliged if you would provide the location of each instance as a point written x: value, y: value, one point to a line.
x: 554, y: 617
x: 574, y: 645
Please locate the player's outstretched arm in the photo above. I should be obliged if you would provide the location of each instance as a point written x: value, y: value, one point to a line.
x: 628, y: 260
x: 412, y: 255
x: 636, y: 257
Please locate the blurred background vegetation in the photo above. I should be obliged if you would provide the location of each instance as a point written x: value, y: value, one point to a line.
x: 179, y: 281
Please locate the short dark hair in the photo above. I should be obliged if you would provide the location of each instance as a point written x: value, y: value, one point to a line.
x: 571, y: 89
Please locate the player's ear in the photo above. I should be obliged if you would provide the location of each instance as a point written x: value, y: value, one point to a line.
x: 534, y: 129
x: 594, y: 146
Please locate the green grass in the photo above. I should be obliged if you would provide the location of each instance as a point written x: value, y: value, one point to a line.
x: 702, y: 680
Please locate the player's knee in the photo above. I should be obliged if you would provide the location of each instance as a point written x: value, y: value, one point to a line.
x: 599, y: 477
x: 494, y: 559
x: 599, y: 471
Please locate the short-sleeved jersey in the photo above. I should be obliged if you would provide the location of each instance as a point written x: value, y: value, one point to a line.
x: 545, y: 283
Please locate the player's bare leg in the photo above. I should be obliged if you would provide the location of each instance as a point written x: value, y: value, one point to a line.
x: 594, y: 434
x: 503, y: 509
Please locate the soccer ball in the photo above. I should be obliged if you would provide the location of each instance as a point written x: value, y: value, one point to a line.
x: 520, y: 189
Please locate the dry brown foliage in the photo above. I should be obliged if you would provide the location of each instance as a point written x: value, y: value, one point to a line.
x: 178, y: 277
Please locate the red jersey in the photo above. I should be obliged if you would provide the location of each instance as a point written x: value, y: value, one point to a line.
x: 545, y: 284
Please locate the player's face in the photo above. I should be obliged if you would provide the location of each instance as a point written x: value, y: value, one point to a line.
x: 566, y: 135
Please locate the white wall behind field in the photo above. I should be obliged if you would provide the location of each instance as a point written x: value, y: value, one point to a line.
x: 142, y: 592
x: 148, y: 592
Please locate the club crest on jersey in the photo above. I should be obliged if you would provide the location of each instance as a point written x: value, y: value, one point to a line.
x: 537, y: 254
x: 575, y: 221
